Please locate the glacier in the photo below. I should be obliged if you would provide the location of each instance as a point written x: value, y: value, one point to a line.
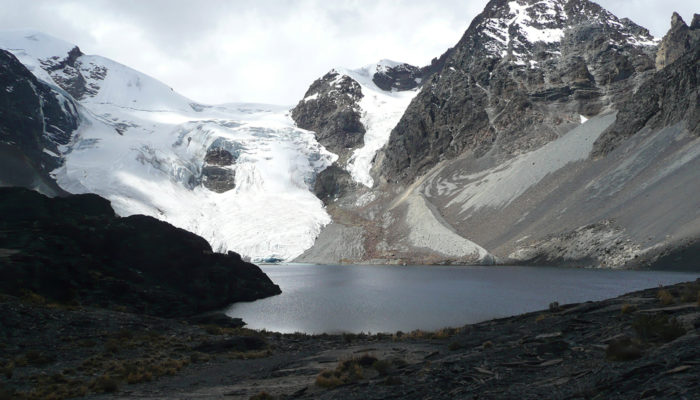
x: 381, y: 111
x: 142, y: 145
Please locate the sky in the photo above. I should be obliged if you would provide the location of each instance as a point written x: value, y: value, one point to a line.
x: 269, y: 51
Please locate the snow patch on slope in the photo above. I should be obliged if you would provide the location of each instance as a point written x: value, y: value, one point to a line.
x: 381, y: 111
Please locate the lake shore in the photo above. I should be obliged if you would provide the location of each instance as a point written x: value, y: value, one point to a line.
x: 640, y: 345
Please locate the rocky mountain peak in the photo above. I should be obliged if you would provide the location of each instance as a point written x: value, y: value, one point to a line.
x: 696, y: 22
x: 679, y: 39
x: 518, y: 29
x: 521, y: 75
x: 330, y: 109
x: 397, y: 76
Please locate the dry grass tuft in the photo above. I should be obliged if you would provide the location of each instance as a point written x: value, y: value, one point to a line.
x: 665, y: 297
x: 628, y: 308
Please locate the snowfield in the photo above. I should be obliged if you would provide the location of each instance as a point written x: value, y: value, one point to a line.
x: 142, y: 146
x: 381, y: 111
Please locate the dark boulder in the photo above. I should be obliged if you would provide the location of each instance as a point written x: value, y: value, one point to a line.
x: 332, y: 183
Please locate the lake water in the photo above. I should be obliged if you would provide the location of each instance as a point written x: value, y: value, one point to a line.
x: 343, y: 298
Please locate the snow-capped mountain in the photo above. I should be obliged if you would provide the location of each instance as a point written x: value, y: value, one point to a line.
x: 236, y: 174
x: 553, y: 132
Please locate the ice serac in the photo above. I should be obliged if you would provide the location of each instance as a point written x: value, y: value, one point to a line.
x: 238, y: 175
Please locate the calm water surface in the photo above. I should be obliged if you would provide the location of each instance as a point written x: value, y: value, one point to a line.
x: 333, y: 298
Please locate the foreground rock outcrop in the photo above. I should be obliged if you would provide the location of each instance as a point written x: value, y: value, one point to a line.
x: 76, y: 250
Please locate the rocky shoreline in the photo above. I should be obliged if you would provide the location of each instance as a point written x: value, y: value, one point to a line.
x: 639, y: 345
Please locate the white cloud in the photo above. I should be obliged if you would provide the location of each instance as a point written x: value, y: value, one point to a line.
x: 218, y: 51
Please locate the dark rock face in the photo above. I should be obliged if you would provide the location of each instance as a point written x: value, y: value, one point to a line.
x: 400, y: 77
x: 679, y: 39
x: 218, y: 156
x: 34, y: 121
x: 218, y: 179
x: 505, y: 89
x: 670, y: 96
x: 330, y: 109
x: 75, y: 249
x: 215, y: 176
x: 70, y: 74
x: 333, y: 182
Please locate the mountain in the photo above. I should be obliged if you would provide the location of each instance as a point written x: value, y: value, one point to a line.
x: 237, y: 174
x: 553, y: 132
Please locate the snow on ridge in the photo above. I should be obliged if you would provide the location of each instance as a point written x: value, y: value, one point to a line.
x: 545, y: 22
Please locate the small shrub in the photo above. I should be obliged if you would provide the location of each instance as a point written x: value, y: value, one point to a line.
x: 628, y: 308
x: 112, y: 346
x: 34, y: 357
x: 31, y: 297
x: 665, y: 297
x: 327, y: 379
x: 658, y: 327
x: 393, y: 381
x: 689, y: 294
x: 540, y: 318
x: 213, y: 329
x: 125, y: 334
x: 347, y: 371
x: 454, y: 346
x: 382, y: 366
x: 8, y: 369
x: 366, y: 360
x: 624, y: 349
x: 487, y: 344
x: 349, y: 337
x: 106, y: 384
x: 139, y: 377
x: 198, y: 357
x: 7, y: 395
x: 262, y: 396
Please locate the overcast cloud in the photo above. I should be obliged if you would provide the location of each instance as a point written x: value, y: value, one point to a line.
x: 267, y: 51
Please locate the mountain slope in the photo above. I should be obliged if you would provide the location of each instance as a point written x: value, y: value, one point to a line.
x: 522, y: 74
x: 238, y: 175
x: 548, y: 137
x: 35, y: 121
